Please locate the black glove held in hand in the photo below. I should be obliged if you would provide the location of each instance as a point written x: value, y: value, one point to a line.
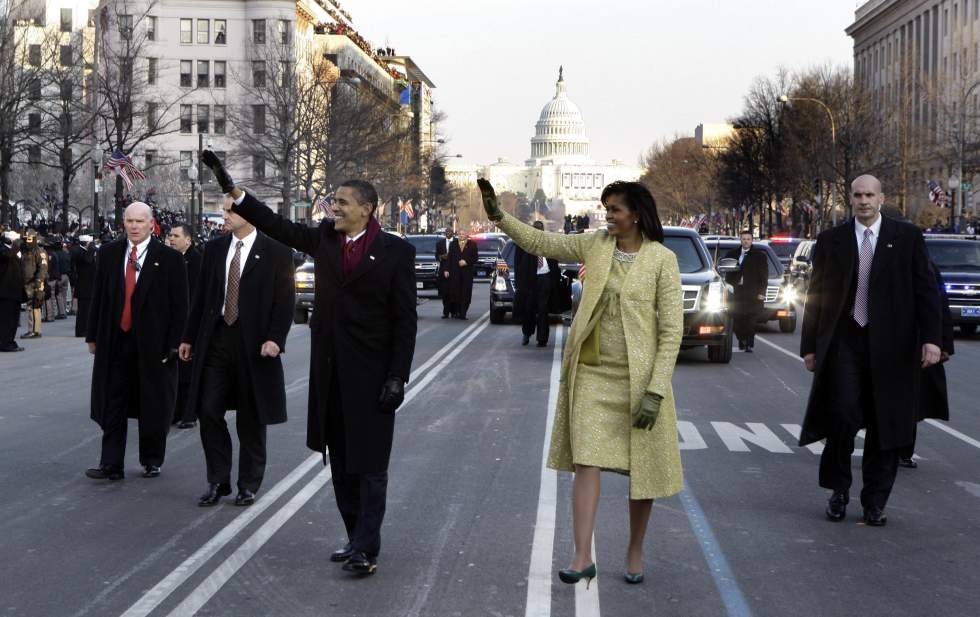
x: 646, y: 416
x: 392, y: 395
x: 490, y: 200
x: 210, y: 159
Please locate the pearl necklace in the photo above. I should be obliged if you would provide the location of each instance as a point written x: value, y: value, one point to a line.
x: 623, y: 256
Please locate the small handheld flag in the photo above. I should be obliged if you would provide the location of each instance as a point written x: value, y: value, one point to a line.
x: 124, y: 167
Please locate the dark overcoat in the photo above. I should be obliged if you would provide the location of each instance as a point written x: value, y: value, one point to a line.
x: 442, y: 258
x: 750, y: 280
x: 11, y: 275
x: 460, y: 285
x: 526, y: 280
x: 266, y: 298
x: 903, y: 312
x: 159, y: 309
x: 82, y: 271
x: 934, y: 398
x: 362, y: 329
x: 192, y: 259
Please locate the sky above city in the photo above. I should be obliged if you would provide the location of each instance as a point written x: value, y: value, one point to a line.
x: 640, y: 71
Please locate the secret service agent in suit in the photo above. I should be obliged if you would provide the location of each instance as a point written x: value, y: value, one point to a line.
x: 537, y: 279
x: 11, y: 292
x: 750, y: 288
x: 362, y: 342
x: 442, y: 255
x: 462, y: 258
x: 139, y: 309
x: 872, y: 323
x: 239, y: 319
x: 181, y: 238
x: 82, y: 278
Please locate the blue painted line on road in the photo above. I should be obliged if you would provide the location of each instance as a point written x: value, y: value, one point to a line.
x: 731, y: 595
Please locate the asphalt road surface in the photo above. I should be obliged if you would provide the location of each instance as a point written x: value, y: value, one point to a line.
x: 475, y: 524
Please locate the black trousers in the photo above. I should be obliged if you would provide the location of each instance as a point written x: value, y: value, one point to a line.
x: 9, y: 318
x: 746, y: 309
x: 224, y: 380
x: 124, y: 395
x: 181, y: 412
x: 909, y: 450
x: 81, y: 317
x: 361, y: 497
x: 536, y: 308
x: 853, y: 400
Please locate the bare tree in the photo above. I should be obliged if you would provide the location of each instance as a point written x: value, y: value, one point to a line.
x: 681, y: 176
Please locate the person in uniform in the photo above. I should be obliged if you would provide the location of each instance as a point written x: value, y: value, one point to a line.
x: 58, y: 303
x: 241, y: 313
x: 362, y: 342
x: 12, y: 291
x: 181, y: 238
x: 750, y: 282
x: 34, y: 261
x: 537, y: 278
x: 82, y: 257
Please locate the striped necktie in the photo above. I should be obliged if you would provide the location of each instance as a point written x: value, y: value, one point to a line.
x: 234, y: 278
x: 864, y: 276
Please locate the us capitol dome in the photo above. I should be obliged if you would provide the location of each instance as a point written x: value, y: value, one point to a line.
x: 560, y: 134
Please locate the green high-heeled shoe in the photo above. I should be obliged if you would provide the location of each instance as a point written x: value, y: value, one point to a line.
x: 633, y: 578
x: 573, y: 576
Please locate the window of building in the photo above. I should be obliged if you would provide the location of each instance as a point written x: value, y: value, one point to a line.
x: 258, y: 73
x: 34, y: 91
x: 220, y: 69
x: 152, y: 115
x: 34, y: 55
x: 203, y: 74
x: 151, y: 28
x: 151, y: 71
x: 186, y: 118
x: 258, y: 31
x: 186, y: 31
x: 186, y: 67
x: 64, y: 123
x: 284, y: 25
x: 285, y: 75
x: 219, y: 119
x: 126, y: 71
x: 258, y: 119
x: 258, y: 166
x: 203, y: 31
x: 186, y: 161
x: 220, y: 34
x: 64, y: 55
x: 203, y: 119
x: 126, y: 113
x: 125, y: 27
x: 149, y: 158
x: 945, y: 22
x: 66, y: 21
x: 34, y: 155
x: 34, y: 123
x: 67, y: 90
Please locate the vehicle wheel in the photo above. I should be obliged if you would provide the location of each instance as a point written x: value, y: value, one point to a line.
x: 787, y: 325
x: 300, y: 315
x: 968, y: 329
x: 721, y: 354
x: 497, y: 316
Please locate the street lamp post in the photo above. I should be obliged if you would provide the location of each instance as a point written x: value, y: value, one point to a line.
x: 192, y: 175
x: 833, y: 149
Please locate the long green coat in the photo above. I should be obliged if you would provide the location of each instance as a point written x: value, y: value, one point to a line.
x: 651, y: 305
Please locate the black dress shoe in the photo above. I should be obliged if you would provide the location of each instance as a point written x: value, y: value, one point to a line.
x: 748, y: 349
x: 342, y: 554
x: 31, y: 335
x: 360, y: 563
x: 445, y: 316
x: 525, y: 340
x: 837, y: 507
x: 11, y: 347
x: 542, y: 343
x: 875, y: 517
x: 105, y: 472
x: 741, y: 346
x: 186, y: 424
x: 151, y: 471
x: 907, y: 462
x: 61, y: 317
x: 244, y: 497
x: 214, y: 495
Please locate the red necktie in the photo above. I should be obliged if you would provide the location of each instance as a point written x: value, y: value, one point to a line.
x: 126, y: 322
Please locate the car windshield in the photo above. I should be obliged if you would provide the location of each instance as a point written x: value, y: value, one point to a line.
x: 688, y: 257
x: 489, y: 245
x: 783, y: 249
x: 423, y: 244
x: 775, y: 268
x: 955, y: 255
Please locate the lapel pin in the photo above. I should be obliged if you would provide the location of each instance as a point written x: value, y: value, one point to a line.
x: 256, y: 256
x: 372, y: 257
x: 889, y: 246
x: 156, y: 263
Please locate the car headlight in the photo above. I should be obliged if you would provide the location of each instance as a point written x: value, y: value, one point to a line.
x: 789, y: 294
x: 714, y: 298
x: 304, y: 277
x: 499, y: 283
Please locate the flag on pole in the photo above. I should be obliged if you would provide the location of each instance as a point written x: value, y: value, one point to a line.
x: 405, y: 206
x: 124, y: 167
x: 937, y: 195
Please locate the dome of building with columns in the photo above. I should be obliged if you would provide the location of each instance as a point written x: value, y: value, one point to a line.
x: 560, y: 134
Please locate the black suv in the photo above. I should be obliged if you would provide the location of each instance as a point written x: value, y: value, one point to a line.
x: 780, y: 296
x: 426, y: 266
x: 801, y: 266
x: 488, y: 247
x: 958, y: 260
x: 785, y: 248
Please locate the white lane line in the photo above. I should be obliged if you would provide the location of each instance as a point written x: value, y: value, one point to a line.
x: 192, y: 564
x: 206, y: 590
x: 778, y: 348
x: 542, y: 547
x: 936, y: 423
x: 587, y: 599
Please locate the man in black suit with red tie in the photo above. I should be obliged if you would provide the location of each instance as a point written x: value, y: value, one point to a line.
x: 872, y: 323
x: 139, y: 309
x: 239, y: 319
x: 362, y: 342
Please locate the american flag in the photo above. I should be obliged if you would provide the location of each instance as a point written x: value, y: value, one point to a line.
x: 937, y: 195
x: 321, y: 206
x: 405, y: 206
x: 123, y: 165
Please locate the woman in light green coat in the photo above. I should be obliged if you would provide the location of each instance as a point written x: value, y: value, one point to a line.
x: 615, y: 409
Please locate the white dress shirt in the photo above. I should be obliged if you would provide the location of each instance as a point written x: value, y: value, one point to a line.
x: 741, y: 256
x: 141, y: 249
x: 859, y: 233
x: 247, y: 243
x: 544, y: 269
x: 358, y: 236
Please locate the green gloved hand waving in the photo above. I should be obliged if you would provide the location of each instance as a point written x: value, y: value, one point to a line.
x: 494, y: 213
x: 646, y: 416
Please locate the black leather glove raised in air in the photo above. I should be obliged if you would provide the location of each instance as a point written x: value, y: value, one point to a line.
x: 211, y: 159
x: 392, y: 395
x: 490, y: 204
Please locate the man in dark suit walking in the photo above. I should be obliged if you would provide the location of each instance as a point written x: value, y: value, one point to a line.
x: 537, y: 278
x: 139, y: 309
x: 11, y: 291
x: 240, y: 316
x: 181, y: 238
x: 872, y: 323
x: 442, y: 257
x: 82, y: 279
x: 750, y: 282
x: 362, y: 342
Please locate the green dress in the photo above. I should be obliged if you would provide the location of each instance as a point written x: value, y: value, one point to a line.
x: 600, y: 416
